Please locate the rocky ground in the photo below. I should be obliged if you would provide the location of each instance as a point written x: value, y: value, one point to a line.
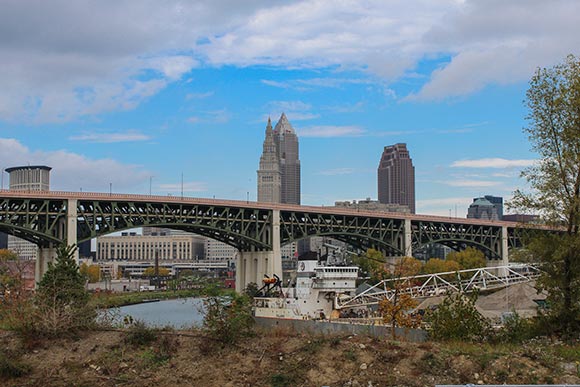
x: 277, y: 358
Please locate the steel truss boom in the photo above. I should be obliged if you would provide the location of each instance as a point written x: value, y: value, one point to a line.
x: 431, y: 285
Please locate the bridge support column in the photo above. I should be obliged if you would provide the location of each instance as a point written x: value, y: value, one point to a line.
x: 43, y: 257
x: 252, y: 266
x: 71, y: 225
x: 408, y: 238
x: 67, y: 233
x: 504, y: 252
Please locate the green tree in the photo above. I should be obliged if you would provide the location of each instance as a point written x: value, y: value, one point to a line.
x: 553, y: 102
x: 470, y: 258
x: 150, y: 272
x: 457, y: 318
x: 62, y: 303
x: 371, y: 265
x: 436, y: 265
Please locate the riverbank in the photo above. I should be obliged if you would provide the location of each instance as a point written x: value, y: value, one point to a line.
x: 113, y: 300
x: 280, y: 358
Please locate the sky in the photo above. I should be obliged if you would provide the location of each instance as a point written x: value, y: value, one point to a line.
x: 148, y: 96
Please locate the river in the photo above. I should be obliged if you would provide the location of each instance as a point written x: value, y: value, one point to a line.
x: 180, y: 313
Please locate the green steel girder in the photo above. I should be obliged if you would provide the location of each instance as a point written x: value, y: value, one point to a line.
x: 40, y: 221
x: 243, y: 228
x: 458, y: 235
x: 360, y: 231
x: 43, y: 221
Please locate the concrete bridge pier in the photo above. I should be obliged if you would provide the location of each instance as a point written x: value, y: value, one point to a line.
x: 503, y: 251
x: 67, y: 232
x: 252, y: 266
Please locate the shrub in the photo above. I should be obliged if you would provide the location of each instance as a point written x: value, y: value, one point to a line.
x: 516, y: 329
x: 60, y: 305
x: 140, y: 334
x: 227, y: 317
x: 456, y: 318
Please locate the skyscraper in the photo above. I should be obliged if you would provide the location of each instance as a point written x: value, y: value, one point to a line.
x: 269, y: 175
x: 279, y: 172
x: 396, y: 177
x: 288, y: 155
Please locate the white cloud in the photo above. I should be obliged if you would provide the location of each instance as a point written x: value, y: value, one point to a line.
x: 331, y: 131
x: 73, y: 171
x: 109, y: 56
x: 128, y: 136
x: 492, y: 163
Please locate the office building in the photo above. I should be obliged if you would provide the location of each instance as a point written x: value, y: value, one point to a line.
x: 497, y: 202
x: 482, y: 208
x: 133, y: 247
x: 279, y: 171
x: 396, y: 177
x: 269, y: 175
x: 27, y: 178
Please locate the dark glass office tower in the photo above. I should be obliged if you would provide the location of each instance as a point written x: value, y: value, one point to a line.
x: 396, y: 177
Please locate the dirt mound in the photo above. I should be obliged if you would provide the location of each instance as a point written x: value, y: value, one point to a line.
x: 282, y: 358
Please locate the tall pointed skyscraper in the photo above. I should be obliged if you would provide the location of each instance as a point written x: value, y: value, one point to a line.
x: 269, y: 176
x: 396, y: 177
x: 279, y: 173
x: 288, y: 153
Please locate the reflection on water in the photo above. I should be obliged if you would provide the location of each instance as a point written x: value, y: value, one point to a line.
x: 180, y: 313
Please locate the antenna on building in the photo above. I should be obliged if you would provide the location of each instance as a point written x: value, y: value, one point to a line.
x: 182, y: 185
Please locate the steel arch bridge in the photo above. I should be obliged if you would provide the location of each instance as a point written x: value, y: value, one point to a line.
x: 50, y: 218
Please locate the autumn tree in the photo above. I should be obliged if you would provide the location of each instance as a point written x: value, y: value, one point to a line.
x: 395, y: 309
x: 470, y: 258
x: 553, y: 129
x: 91, y: 272
x: 9, y: 280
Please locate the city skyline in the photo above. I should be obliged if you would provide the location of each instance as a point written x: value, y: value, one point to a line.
x: 136, y: 97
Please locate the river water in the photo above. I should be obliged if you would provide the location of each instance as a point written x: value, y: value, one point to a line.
x: 180, y: 313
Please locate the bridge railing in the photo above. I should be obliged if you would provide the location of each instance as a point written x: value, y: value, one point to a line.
x: 432, y: 285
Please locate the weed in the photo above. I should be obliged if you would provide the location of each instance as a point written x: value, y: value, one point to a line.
x: 282, y: 380
x: 313, y: 346
x: 430, y: 362
x: 11, y: 367
x: 335, y: 341
x: 350, y: 355
x: 140, y: 334
x: 568, y: 353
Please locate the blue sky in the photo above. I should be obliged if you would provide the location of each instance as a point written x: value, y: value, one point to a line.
x: 130, y: 93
